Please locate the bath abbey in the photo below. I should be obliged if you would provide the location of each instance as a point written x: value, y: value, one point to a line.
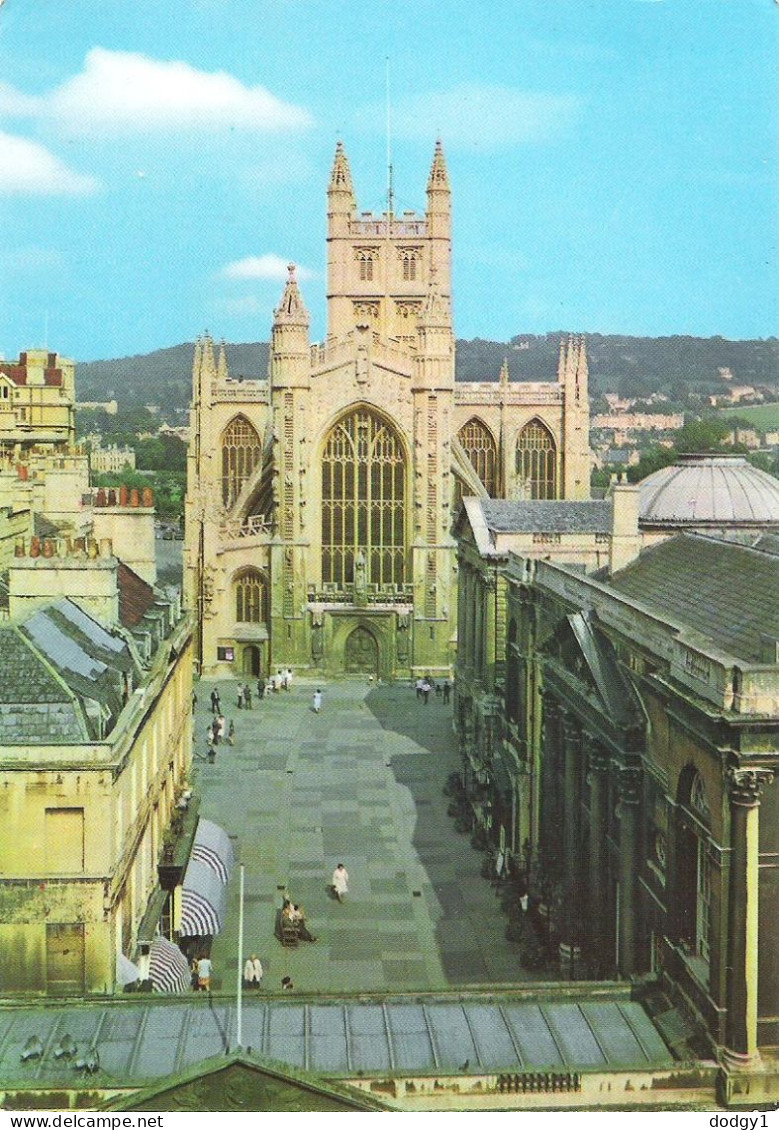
x: 320, y: 498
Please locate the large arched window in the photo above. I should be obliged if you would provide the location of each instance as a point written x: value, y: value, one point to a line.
x: 251, y: 598
x: 537, y: 461
x: 693, y: 836
x: 363, y: 501
x: 241, y: 452
x: 480, y: 448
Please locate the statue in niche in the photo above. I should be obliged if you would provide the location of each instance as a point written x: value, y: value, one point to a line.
x: 360, y: 578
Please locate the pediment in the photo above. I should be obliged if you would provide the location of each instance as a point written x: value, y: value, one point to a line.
x: 241, y: 1083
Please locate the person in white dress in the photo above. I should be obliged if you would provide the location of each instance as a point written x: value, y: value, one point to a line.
x: 341, y: 882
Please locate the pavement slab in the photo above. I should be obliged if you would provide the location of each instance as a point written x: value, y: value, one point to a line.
x: 361, y: 783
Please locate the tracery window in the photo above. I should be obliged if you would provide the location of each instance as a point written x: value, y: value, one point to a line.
x: 481, y: 450
x: 251, y: 598
x: 536, y: 461
x: 363, y: 501
x: 365, y: 261
x: 241, y: 453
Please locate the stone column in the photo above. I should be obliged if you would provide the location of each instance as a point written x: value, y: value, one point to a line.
x: 629, y: 783
x: 597, y: 776
x: 570, y: 943
x: 745, y: 786
x: 489, y: 585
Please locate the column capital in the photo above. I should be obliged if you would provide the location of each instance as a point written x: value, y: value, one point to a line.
x: 746, y: 785
x: 629, y: 784
x: 597, y: 756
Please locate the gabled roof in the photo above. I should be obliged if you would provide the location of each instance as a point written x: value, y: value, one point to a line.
x: 489, y: 518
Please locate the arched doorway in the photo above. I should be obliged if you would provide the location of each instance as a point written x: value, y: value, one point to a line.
x: 361, y: 653
x: 252, y: 662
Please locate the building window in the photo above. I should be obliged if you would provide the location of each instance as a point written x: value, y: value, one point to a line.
x: 695, y: 873
x: 409, y: 268
x: 480, y: 448
x: 537, y: 461
x: 365, y: 265
x: 363, y: 501
x: 241, y: 453
x: 251, y: 598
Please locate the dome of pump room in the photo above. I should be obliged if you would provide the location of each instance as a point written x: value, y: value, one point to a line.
x: 712, y: 489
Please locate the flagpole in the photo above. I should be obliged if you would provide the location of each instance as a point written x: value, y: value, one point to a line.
x: 239, y: 1017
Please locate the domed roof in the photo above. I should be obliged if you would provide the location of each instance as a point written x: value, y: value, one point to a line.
x: 718, y: 490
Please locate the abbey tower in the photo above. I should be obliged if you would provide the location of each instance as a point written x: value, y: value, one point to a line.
x: 320, y: 500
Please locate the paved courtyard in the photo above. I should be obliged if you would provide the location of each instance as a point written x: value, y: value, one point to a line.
x: 360, y: 783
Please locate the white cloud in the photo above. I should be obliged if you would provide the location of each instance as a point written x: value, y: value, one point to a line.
x: 14, y: 104
x: 29, y: 168
x: 265, y: 267
x: 122, y: 92
x: 483, y: 116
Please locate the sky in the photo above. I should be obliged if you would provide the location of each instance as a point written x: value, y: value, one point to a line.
x: 613, y: 162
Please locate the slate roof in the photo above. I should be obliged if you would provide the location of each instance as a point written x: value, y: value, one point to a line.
x: 727, y: 592
x: 560, y: 516
x: 25, y: 678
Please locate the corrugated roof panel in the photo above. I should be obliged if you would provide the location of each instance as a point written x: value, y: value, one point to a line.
x: 495, y: 1046
x: 410, y: 1037
x: 327, y: 1038
x: 574, y: 1035
x: 286, y: 1036
x: 90, y: 628
x: 452, y: 1036
x: 531, y: 1032
x: 652, y: 1042
x: 615, y: 1035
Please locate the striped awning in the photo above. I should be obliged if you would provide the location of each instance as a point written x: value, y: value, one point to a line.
x: 203, y: 901
x: 168, y: 968
x: 126, y: 971
x: 212, y: 846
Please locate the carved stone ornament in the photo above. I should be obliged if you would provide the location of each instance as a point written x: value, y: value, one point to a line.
x: 746, y: 785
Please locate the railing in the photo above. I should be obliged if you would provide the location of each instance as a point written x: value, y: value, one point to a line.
x: 253, y: 526
x: 257, y: 392
x: 376, y: 595
x: 490, y: 392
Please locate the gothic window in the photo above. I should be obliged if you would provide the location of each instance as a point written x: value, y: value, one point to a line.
x: 537, y: 461
x: 365, y: 264
x: 251, y: 598
x: 363, y: 500
x: 480, y: 449
x: 241, y: 452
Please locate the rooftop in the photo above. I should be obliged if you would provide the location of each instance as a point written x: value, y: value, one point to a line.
x: 727, y: 592
x: 709, y: 489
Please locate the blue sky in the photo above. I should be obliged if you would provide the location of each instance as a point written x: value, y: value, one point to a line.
x: 613, y: 162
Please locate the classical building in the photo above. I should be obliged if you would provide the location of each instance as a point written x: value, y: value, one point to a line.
x: 645, y: 709
x: 593, y: 535
x: 95, y: 750
x: 320, y: 501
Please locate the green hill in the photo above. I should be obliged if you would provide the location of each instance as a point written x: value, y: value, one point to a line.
x: 679, y: 367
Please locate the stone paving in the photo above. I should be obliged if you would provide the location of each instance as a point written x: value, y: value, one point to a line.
x: 360, y: 783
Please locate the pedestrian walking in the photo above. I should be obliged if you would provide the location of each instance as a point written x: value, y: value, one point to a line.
x: 252, y: 973
x: 419, y: 684
x: 247, y: 697
x: 214, y: 701
x: 317, y: 701
x: 425, y: 691
x: 341, y: 882
x: 288, y: 679
x: 240, y: 698
x: 221, y: 728
x: 447, y: 691
x: 204, y: 971
x: 286, y: 983
x: 260, y: 688
x: 231, y: 733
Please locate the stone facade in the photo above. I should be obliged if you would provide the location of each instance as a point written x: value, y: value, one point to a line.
x: 645, y: 715
x: 320, y: 501
x: 95, y: 750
